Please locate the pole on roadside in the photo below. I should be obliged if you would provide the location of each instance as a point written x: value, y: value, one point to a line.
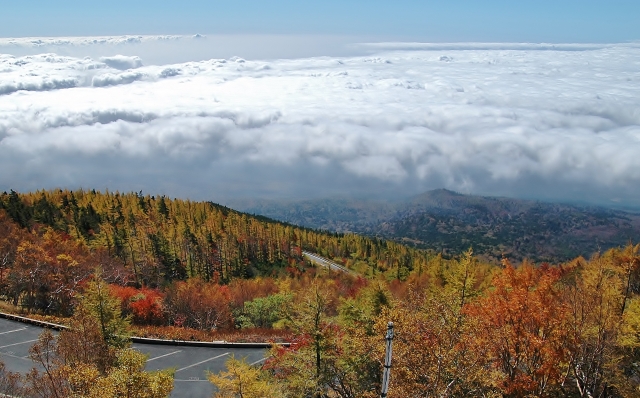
x: 387, y: 361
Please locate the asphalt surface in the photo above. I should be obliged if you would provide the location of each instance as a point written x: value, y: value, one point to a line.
x: 191, y: 364
x: 323, y: 262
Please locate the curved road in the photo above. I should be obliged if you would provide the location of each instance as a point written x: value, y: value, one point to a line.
x: 323, y: 262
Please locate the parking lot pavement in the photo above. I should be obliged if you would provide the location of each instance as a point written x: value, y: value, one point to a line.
x: 15, y: 340
x: 191, y: 364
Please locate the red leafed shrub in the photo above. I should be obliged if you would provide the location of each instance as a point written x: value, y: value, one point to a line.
x: 147, y: 307
x: 124, y: 294
x: 348, y: 286
x: 144, y: 305
x: 198, y: 304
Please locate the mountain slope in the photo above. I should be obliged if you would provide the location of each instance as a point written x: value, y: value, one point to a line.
x: 159, y: 240
x: 450, y: 222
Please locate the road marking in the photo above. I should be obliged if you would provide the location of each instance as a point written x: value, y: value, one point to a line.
x: 11, y: 331
x: 190, y: 381
x: 162, y: 356
x: 28, y: 357
x: 24, y: 342
x: 257, y: 362
x: 10, y: 354
x: 201, y: 362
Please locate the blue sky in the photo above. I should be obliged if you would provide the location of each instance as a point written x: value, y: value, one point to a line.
x: 452, y: 20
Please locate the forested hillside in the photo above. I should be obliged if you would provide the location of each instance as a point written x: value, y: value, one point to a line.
x: 160, y: 239
x: 148, y: 241
x: 196, y: 270
x: 449, y: 222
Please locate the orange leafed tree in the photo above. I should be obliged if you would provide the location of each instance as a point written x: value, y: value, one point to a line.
x: 521, y: 326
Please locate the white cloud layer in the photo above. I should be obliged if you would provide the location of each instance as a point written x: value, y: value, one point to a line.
x: 122, y: 62
x: 552, y: 122
x: 160, y: 50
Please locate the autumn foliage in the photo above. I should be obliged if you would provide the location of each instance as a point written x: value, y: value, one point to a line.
x: 521, y: 325
x: 525, y: 331
x: 464, y: 328
x: 146, y: 306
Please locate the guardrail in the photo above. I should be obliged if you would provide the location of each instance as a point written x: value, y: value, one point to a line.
x: 327, y: 263
x: 208, y: 344
x: 146, y: 340
x: 31, y: 321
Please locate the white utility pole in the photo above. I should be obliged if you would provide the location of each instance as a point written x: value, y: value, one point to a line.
x: 387, y: 361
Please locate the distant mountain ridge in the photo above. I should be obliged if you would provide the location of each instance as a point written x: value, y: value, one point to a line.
x: 451, y: 222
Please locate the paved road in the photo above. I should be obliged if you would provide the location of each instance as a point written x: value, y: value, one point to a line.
x: 323, y: 262
x: 191, y: 363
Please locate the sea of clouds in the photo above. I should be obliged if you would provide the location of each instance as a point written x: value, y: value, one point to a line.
x: 558, y: 122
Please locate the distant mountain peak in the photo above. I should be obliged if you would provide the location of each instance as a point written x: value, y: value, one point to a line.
x: 440, y: 198
x: 443, y: 191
